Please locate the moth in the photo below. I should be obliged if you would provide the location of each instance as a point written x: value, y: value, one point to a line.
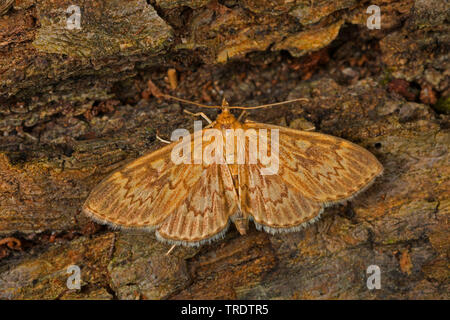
x: 191, y: 204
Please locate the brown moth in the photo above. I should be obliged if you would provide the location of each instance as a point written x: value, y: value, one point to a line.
x: 191, y: 204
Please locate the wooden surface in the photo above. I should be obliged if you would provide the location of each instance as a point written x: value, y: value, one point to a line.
x: 69, y: 116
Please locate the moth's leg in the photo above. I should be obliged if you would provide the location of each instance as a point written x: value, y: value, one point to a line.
x: 306, y: 126
x: 161, y: 139
x: 201, y: 114
x: 241, y: 115
x: 210, y: 125
x: 171, y: 249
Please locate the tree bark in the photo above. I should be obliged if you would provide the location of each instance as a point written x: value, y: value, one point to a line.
x: 75, y: 105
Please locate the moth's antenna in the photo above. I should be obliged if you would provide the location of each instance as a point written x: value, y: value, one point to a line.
x: 233, y: 107
x: 268, y: 105
x: 189, y: 102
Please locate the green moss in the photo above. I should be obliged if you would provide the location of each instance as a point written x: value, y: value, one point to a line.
x: 387, y: 77
x: 390, y: 241
x: 443, y: 105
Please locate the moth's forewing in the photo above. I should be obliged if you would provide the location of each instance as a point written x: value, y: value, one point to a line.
x: 204, y: 214
x: 325, y: 168
x: 186, y: 203
x: 315, y: 170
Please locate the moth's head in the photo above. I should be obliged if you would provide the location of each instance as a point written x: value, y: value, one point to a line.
x: 226, y: 120
x: 224, y: 104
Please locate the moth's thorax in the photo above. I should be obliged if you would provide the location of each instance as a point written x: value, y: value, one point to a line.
x: 226, y: 120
